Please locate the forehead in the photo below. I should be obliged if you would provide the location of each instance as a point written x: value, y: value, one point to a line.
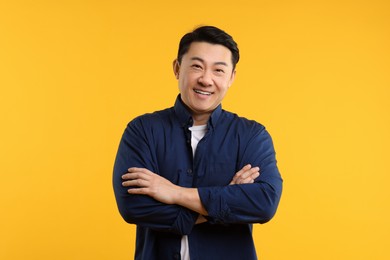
x: 209, y: 53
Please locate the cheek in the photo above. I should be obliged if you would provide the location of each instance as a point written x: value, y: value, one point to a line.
x: 188, y: 81
x: 184, y: 85
x: 223, y: 85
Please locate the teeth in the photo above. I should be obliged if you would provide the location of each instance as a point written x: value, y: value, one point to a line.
x: 202, y: 92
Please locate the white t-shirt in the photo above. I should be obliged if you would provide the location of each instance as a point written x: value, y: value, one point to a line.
x: 197, y: 133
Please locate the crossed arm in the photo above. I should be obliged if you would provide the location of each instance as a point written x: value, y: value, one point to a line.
x: 144, y: 182
x: 149, y: 200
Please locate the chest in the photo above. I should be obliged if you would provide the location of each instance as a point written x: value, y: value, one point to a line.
x: 214, y: 162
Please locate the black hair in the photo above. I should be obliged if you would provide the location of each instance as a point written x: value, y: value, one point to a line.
x: 209, y: 34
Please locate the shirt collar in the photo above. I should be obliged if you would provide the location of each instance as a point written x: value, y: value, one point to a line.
x: 185, y: 116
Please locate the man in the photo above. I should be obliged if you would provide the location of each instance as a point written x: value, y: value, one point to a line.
x: 189, y: 176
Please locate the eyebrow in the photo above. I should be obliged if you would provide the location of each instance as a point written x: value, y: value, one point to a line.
x: 215, y: 63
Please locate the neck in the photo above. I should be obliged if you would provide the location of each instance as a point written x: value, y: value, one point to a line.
x: 201, y: 119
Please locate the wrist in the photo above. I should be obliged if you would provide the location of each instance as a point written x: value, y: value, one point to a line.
x: 178, y: 195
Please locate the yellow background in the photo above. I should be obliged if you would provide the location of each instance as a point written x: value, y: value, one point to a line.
x: 73, y: 73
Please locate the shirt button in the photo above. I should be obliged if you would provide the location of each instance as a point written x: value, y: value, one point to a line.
x: 189, y: 172
x: 188, y: 141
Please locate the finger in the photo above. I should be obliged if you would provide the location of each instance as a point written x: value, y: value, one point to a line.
x: 244, y: 169
x: 135, y: 175
x: 135, y: 183
x: 136, y: 169
x: 249, y: 179
x: 240, y: 172
x: 127, y: 176
x: 138, y: 191
x: 246, y: 181
x: 249, y: 172
x: 254, y: 175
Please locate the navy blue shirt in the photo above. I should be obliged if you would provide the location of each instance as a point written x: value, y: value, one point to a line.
x: 161, y: 142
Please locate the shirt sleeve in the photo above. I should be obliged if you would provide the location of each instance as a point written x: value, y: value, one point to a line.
x: 248, y: 203
x: 134, y: 151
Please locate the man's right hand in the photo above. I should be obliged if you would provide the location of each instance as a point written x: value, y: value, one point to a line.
x: 246, y: 175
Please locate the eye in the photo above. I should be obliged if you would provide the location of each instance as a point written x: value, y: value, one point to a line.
x: 196, y: 66
x: 220, y: 71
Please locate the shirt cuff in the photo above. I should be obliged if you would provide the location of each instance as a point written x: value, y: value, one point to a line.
x: 215, y: 204
x: 185, y: 221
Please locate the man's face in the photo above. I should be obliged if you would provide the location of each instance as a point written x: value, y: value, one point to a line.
x: 205, y: 74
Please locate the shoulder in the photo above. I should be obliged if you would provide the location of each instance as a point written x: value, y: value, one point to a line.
x: 149, y: 123
x: 252, y: 136
x: 152, y: 119
x: 240, y: 123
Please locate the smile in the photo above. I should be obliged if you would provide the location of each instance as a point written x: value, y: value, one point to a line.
x: 202, y: 92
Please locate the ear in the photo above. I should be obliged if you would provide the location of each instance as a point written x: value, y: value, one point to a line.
x: 176, y: 68
x: 232, y: 77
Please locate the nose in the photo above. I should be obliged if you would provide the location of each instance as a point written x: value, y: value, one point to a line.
x: 206, y: 79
